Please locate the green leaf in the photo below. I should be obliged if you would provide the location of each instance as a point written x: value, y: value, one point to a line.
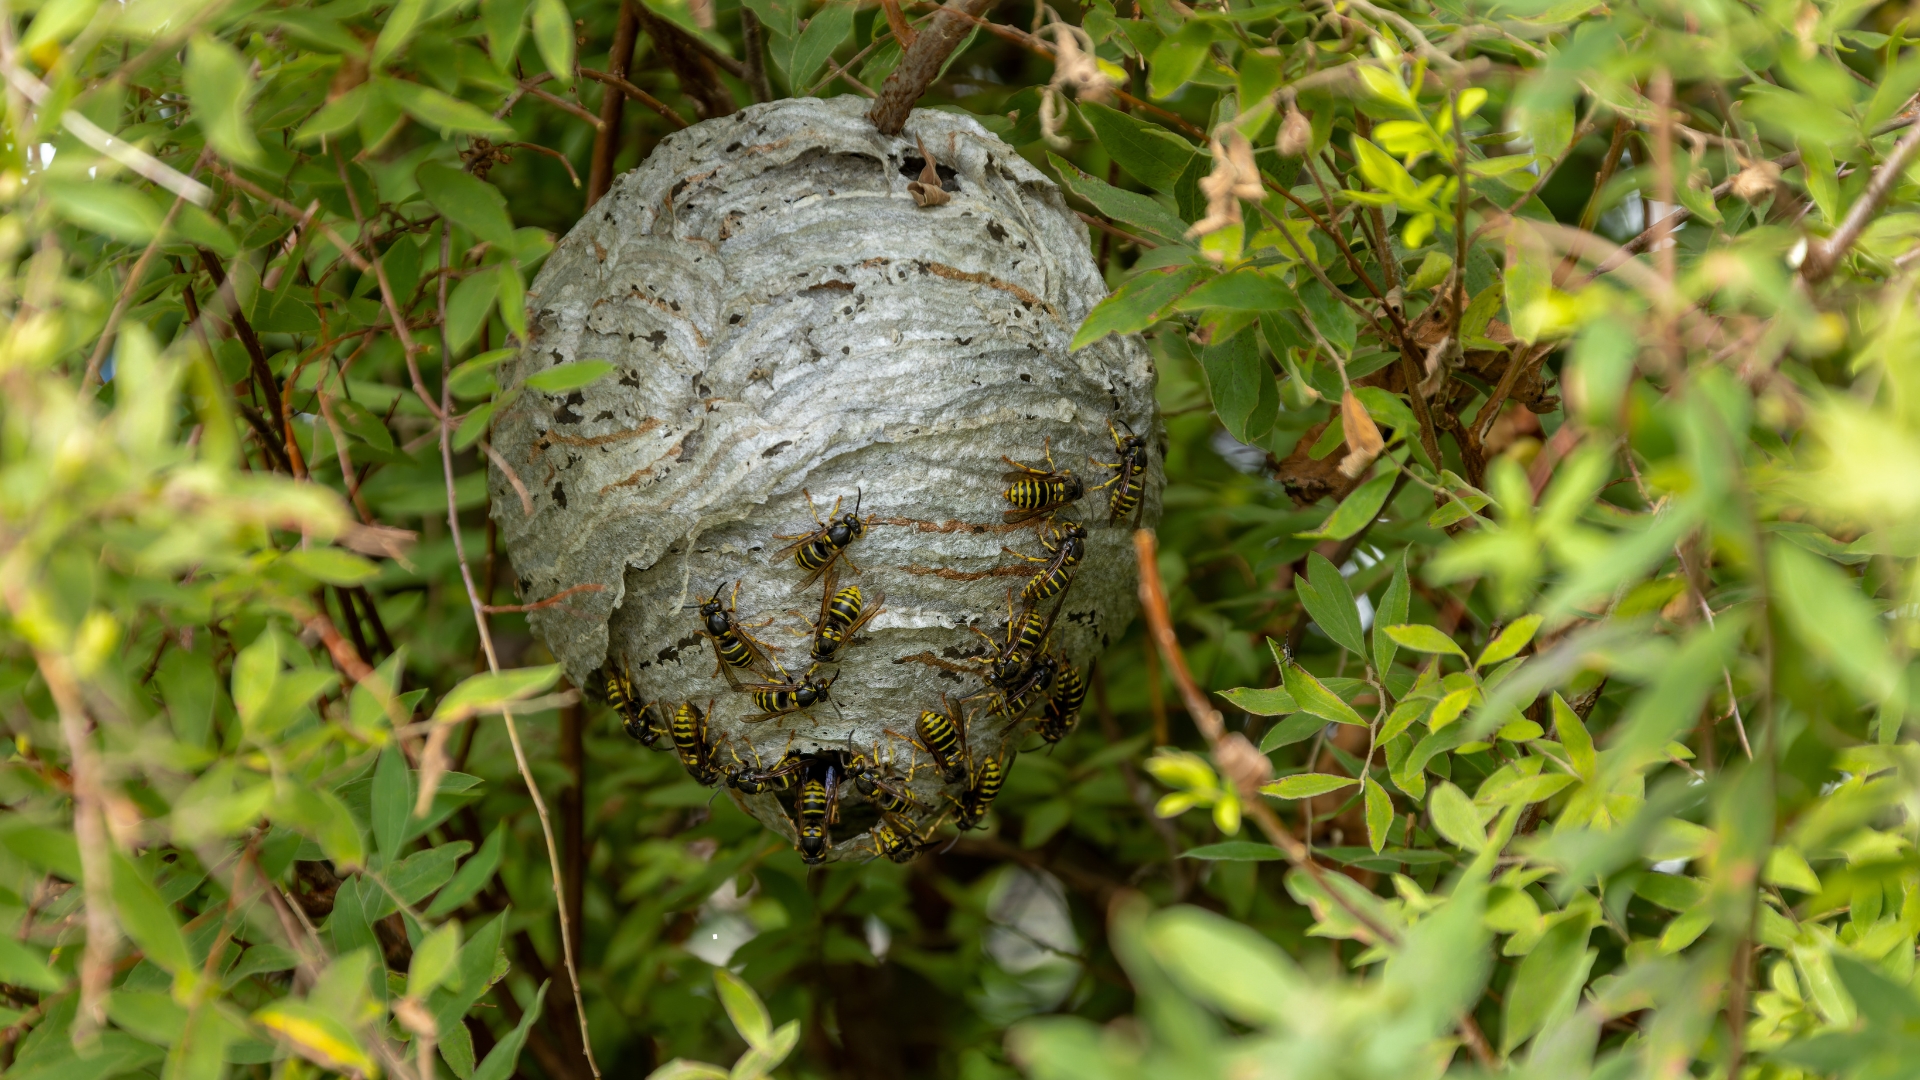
x: 1150, y: 153
x: 506, y: 22
x: 1422, y: 638
x: 1299, y: 727
x: 1825, y: 609
x: 1450, y: 707
x: 148, y: 919
x: 743, y: 1007
x: 445, y: 113
x: 824, y: 33
x: 1177, y: 58
x: 1246, y: 289
x: 1230, y: 966
x: 1379, y: 814
x: 22, y: 965
x: 218, y: 88
x: 474, y: 205
x: 53, y: 850
x: 105, y: 207
x: 392, y: 803
x: 1271, y: 701
x: 1512, y: 639
x: 315, y: 1035
x: 571, y: 376
x: 1137, y: 304
x: 758, y: 1061
x: 1573, y: 736
x: 553, y: 36
x: 1360, y: 507
x: 1314, y: 697
x: 1236, y: 851
x: 1455, y: 818
x: 467, y: 308
x: 1244, y: 394
x: 505, y: 1055
x: 1547, y: 983
x: 1330, y: 602
x: 490, y: 690
x: 1392, y: 612
x: 1307, y: 785
x: 332, y: 566
x: 433, y: 960
x: 1137, y: 212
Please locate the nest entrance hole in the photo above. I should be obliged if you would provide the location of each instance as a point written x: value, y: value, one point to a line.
x: 913, y: 165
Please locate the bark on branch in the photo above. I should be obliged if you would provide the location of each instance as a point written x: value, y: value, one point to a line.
x: 922, y: 63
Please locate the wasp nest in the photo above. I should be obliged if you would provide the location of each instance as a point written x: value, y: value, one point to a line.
x: 787, y: 318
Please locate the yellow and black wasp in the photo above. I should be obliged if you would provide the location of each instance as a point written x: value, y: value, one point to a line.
x: 641, y: 720
x: 1017, y: 695
x: 1065, y: 548
x: 1129, y: 481
x: 842, y: 614
x: 758, y: 779
x: 943, y: 735
x: 790, y: 695
x: 1034, y: 492
x: 733, y: 646
x: 815, y: 551
x: 1062, y: 710
x: 893, y: 839
x: 818, y: 806
x: 982, y: 786
x: 1026, y: 636
x: 689, y: 730
x: 878, y: 788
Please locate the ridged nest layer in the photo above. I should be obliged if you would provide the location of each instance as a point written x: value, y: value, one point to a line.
x: 785, y: 317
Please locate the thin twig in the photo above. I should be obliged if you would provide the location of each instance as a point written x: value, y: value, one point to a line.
x: 550, y: 152
x: 89, y: 381
x: 1823, y: 257
x: 606, y: 141
x: 920, y: 63
x: 562, y: 103
x: 493, y: 661
x: 636, y: 94
x: 500, y: 609
x: 104, y: 142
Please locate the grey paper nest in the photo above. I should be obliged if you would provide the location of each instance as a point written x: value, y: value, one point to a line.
x: 785, y: 317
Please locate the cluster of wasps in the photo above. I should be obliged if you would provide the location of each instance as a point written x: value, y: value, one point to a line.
x: 1021, y: 671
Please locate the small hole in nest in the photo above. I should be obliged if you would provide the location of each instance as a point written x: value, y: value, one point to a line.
x: 911, y: 167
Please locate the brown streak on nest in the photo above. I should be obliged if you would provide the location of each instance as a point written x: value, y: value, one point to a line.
x: 954, y: 273
x: 926, y: 657
x: 878, y: 260
x: 699, y: 338
x: 953, y: 526
x: 550, y: 438
x: 767, y: 148
x: 834, y: 286
x: 630, y: 481
x: 963, y: 575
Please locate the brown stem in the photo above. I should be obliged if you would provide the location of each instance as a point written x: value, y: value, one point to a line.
x: 691, y: 61
x: 493, y: 609
x: 563, y: 104
x: 1661, y: 92
x: 897, y: 22
x: 90, y: 835
x: 754, y: 44
x: 606, y: 141
x: 567, y: 927
x: 636, y: 94
x: 921, y: 62
x: 1242, y: 765
x: 573, y: 821
x: 1823, y: 257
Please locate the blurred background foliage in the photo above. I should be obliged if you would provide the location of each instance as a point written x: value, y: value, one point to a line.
x: 1542, y: 425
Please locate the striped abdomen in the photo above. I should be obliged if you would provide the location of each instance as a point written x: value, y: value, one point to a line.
x: 1126, y: 494
x: 1041, y: 493
x: 986, y: 785
x: 776, y: 701
x: 689, y: 731
x: 888, y: 841
x: 733, y: 649
x: 813, y: 806
x: 1063, y: 706
x: 846, y: 606
x: 815, y: 553
x: 941, y: 739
